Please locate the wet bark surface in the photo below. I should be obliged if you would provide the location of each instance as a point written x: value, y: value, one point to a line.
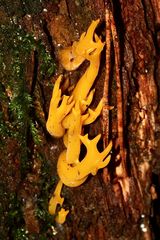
x: 119, y: 206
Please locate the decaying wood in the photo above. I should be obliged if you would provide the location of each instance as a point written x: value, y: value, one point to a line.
x: 118, y: 203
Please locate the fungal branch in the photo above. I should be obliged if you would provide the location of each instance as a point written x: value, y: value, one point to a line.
x: 68, y: 115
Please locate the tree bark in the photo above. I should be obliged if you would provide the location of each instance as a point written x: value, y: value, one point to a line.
x: 121, y: 202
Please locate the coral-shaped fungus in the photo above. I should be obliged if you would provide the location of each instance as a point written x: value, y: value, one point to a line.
x: 68, y: 115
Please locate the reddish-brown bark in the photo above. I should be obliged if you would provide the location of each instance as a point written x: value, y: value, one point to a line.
x: 115, y: 210
x: 120, y: 202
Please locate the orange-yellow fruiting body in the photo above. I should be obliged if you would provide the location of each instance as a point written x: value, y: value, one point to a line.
x: 56, y: 199
x: 68, y: 115
x: 61, y: 216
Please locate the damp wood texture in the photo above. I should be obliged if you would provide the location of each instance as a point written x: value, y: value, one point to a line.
x: 122, y: 199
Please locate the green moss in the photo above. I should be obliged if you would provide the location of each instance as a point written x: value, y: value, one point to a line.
x: 17, y: 116
x: 20, y: 8
x: 21, y: 234
x: 10, y: 214
x: 14, y: 216
x: 46, y: 185
x: 19, y: 46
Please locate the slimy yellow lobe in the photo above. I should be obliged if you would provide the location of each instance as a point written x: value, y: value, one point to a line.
x: 61, y: 217
x: 68, y: 115
x: 58, y: 111
x: 56, y: 199
x: 73, y: 175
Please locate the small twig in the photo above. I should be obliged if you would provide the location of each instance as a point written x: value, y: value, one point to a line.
x: 105, y: 112
x: 122, y: 168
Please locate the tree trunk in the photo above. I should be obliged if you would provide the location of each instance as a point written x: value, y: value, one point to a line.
x: 122, y: 201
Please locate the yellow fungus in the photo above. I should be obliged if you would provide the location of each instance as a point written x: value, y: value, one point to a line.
x: 74, y: 130
x: 73, y: 174
x: 94, y: 114
x: 68, y: 115
x: 85, y: 83
x: 58, y: 112
x: 61, y: 216
x: 69, y: 60
x: 56, y: 199
x: 86, y: 102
